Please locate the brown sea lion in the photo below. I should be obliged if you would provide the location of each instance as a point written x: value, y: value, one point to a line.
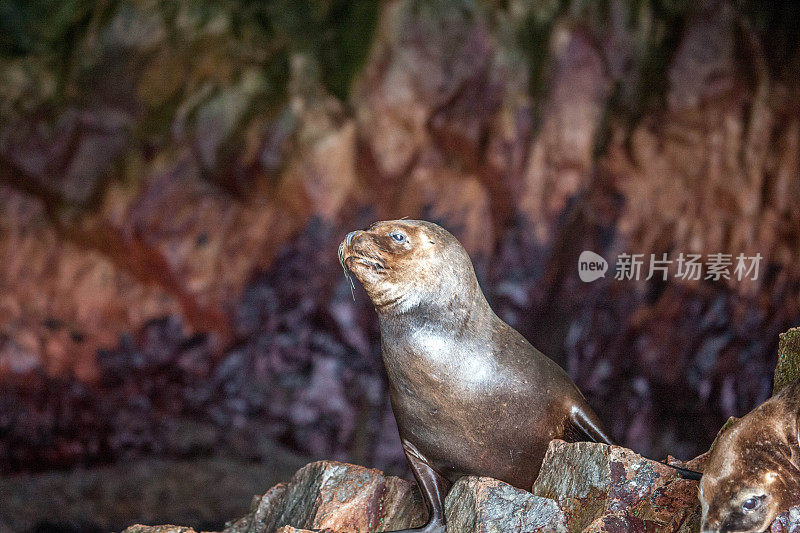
x: 753, y: 472
x: 470, y: 395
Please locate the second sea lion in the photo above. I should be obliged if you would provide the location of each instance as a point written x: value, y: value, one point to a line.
x: 753, y: 472
x: 470, y: 395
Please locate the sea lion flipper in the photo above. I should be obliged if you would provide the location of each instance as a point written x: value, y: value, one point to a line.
x: 433, y: 486
x: 584, y: 427
x: 587, y: 423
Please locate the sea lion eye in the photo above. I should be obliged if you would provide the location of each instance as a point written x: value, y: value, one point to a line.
x: 398, y: 237
x: 751, y: 504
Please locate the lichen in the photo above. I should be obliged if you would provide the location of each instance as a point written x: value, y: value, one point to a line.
x: 788, y: 368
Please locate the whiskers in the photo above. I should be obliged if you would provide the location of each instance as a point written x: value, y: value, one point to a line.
x: 367, y: 257
x: 347, y: 272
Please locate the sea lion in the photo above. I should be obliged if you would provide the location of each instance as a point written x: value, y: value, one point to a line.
x: 470, y: 395
x: 753, y: 471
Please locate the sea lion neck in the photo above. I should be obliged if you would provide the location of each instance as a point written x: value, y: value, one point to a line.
x: 466, y: 310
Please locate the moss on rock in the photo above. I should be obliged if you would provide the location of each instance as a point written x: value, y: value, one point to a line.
x: 788, y: 368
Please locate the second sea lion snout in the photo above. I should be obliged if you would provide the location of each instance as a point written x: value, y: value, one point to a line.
x: 348, y: 240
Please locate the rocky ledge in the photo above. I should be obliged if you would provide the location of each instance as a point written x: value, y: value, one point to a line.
x: 582, y: 487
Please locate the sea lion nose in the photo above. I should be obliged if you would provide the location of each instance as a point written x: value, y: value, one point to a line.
x: 349, y: 239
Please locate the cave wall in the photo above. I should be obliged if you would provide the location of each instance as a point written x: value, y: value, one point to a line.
x: 175, y: 179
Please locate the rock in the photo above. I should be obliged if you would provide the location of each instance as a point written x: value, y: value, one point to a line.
x: 560, y: 158
x: 620, y: 521
x: 704, y: 63
x: 202, y: 253
x: 486, y: 505
x: 593, y: 481
x: 342, y: 497
x: 262, y: 516
x: 583, y: 487
x: 788, y: 522
x: 321, y: 176
x: 61, y: 301
x: 69, y: 157
x: 788, y: 367
x: 138, y: 528
x: 704, y: 150
x: 438, y: 193
x: 154, y: 130
x: 421, y: 60
x: 348, y: 498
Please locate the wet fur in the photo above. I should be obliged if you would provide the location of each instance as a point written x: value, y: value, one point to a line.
x: 470, y: 395
x: 758, y: 454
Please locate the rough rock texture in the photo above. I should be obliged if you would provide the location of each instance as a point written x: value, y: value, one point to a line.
x: 138, y: 528
x: 788, y: 368
x: 485, y: 505
x: 338, y: 496
x: 598, y: 486
x: 62, y: 302
x: 789, y: 522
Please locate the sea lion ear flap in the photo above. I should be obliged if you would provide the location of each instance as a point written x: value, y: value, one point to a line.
x: 426, y: 240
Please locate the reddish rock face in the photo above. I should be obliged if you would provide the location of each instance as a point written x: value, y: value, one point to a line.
x: 162, y: 174
x: 336, y: 496
x: 62, y: 302
x: 600, y: 487
x: 561, y: 157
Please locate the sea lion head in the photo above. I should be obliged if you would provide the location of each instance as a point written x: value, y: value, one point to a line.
x: 405, y: 263
x: 750, y: 475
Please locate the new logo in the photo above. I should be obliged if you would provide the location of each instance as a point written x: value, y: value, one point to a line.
x: 591, y: 266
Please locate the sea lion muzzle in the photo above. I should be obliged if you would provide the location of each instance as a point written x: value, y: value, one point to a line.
x: 349, y: 238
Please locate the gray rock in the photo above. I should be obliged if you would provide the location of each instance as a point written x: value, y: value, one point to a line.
x: 337, y: 496
x: 788, y: 522
x: 583, y: 487
x: 348, y: 498
x: 486, y: 505
x: 599, y: 487
x: 138, y: 528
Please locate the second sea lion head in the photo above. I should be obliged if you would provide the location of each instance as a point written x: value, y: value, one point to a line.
x: 404, y: 263
x: 750, y: 473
